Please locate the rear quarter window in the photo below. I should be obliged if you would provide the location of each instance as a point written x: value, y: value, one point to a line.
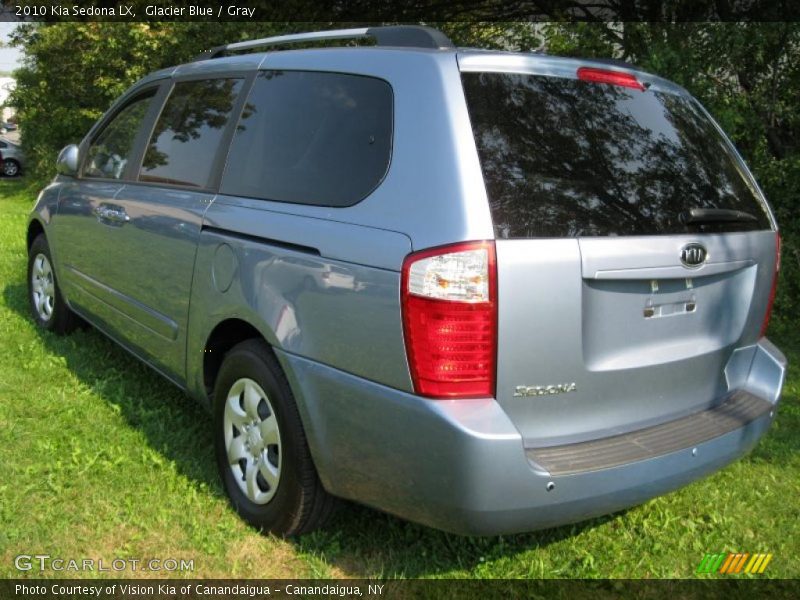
x: 311, y: 138
x: 567, y: 158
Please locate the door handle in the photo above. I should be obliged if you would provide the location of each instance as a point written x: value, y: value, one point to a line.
x: 115, y: 215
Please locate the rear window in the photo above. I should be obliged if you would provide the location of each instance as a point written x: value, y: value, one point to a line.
x: 567, y: 158
x: 311, y: 138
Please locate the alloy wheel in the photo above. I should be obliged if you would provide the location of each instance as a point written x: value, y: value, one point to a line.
x: 252, y: 441
x: 43, y: 287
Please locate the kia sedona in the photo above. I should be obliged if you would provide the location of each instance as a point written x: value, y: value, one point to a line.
x: 490, y: 292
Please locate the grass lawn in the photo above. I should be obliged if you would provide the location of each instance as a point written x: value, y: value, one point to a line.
x: 101, y: 458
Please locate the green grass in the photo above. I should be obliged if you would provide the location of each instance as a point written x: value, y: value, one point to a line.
x: 101, y: 458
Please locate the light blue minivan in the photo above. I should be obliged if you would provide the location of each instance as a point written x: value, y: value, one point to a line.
x: 485, y: 291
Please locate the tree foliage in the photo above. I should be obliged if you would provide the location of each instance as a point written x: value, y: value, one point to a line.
x: 746, y: 74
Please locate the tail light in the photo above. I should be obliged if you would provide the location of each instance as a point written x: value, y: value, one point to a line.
x: 606, y: 76
x: 449, y: 302
x: 774, y: 288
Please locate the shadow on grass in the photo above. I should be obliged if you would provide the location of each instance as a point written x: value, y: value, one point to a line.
x: 359, y: 542
x: 172, y: 423
x: 782, y: 441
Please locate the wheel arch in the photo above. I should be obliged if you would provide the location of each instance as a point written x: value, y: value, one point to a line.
x: 35, y: 229
x: 225, y: 335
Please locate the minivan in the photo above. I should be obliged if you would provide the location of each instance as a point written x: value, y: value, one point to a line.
x: 485, y: 291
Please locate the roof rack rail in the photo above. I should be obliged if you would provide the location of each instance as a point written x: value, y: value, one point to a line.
x: 410, y: 36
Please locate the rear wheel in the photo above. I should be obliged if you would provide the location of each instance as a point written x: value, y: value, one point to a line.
x: 47, y: 306
x: 261, y: 448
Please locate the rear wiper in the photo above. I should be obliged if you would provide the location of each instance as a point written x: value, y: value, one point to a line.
x: 715, y: 215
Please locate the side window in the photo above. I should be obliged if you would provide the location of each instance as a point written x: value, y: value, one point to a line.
x: 311, y: 138
x: 111, y: 150
x: 187, y: 135
x: 3, y: 145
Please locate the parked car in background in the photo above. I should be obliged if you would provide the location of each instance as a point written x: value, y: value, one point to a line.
x: 486, y: 291
x: 6, y: 127
x: 12, y: 158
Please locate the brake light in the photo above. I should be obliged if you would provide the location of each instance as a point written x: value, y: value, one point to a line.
x: 449, y: 303
x: 613, y: 77
x: 774, y: 288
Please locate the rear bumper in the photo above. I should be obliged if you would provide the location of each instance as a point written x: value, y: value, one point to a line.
x: 461, y: 466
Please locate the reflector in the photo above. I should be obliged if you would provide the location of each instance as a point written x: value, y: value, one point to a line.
x: 774, y: 287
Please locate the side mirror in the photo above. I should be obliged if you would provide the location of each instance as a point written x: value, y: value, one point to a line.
x: 67, y: 163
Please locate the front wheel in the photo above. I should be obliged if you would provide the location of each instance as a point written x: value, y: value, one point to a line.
x: 47, y: 305
x: 261, y: 448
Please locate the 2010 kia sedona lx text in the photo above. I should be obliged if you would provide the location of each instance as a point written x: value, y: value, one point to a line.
x: 489, y: 292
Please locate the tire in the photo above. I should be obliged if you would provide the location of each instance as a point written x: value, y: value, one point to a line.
x: 270, y: 476
x: 45, y: 301
x: 10, y: 168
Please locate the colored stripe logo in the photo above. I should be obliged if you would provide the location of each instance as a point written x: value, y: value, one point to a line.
x: 734, y: 562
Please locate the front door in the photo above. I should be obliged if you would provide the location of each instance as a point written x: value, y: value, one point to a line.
x: 133, y: 247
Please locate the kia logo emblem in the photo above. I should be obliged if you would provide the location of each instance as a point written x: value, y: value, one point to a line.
x: 693, y: 255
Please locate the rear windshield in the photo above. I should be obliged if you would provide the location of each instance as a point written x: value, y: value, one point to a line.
x: 565, y: 158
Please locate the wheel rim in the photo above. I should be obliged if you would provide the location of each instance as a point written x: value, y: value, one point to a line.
x: 252, y: 441
x: 43, y: 289
x: 10, y: 168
